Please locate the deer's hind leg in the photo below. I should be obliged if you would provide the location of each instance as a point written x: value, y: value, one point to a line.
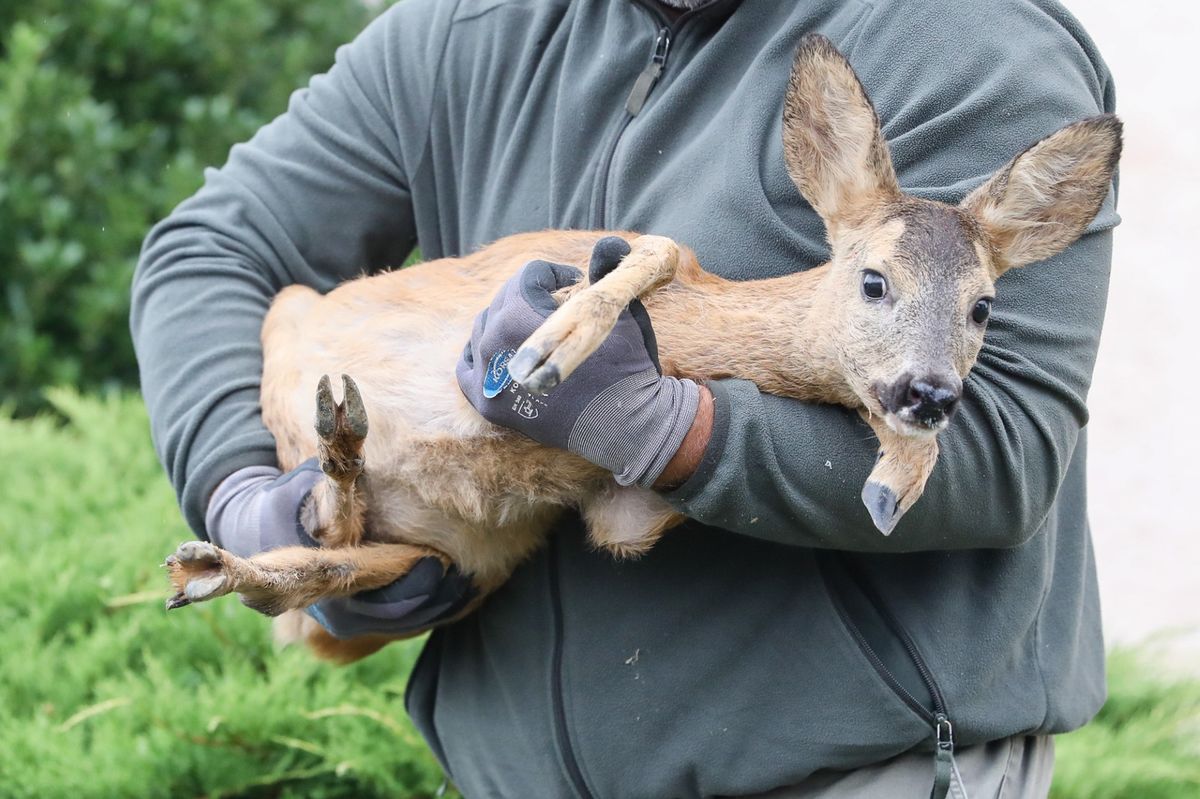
x: 289, y: 578
x: 580, y: 325
x: 336, y: 513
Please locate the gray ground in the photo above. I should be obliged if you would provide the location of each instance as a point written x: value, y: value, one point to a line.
x: 1144, y: 480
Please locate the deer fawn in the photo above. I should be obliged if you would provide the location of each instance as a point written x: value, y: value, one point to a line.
x: 890, y: 326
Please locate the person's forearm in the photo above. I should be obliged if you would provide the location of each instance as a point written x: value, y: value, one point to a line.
x: 200, y: 369
x: 687, y: 458
x: 316, y: 197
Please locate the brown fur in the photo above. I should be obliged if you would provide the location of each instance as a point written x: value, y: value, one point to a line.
x: 433, y: 477
x: 1043, y: 199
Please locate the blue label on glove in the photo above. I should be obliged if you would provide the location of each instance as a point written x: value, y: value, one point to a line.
x: 497, y: 378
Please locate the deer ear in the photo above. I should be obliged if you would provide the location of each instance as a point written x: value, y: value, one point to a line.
x: 1043, y: 199
x: 832, y: 144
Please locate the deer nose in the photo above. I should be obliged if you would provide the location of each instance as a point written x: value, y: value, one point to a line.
x: 932, y: 399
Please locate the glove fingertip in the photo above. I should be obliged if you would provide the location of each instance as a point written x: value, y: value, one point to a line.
x: 606, y: 256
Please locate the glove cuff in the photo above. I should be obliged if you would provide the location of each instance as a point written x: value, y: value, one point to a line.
x: 258, y: 508
x: 234, y: 512
x: 634, y: 427
x: 679, y: 399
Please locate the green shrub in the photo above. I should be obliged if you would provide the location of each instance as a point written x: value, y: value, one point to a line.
x: 103, y: 693
x: 1145, y: 742
x: 109, y: 110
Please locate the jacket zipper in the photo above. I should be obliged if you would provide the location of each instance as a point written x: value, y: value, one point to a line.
x: 650, y: 75
x: 560, y: 715
x: 939, y: 717
x: 639, y: 93
x: 641, y: 89
x: 633, y: 105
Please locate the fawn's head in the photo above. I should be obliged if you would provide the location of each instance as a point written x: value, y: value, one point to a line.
x: 911, y: 281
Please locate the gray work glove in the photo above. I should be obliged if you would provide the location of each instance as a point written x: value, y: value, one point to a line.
x: 258, y: 508
x: 616, y: 409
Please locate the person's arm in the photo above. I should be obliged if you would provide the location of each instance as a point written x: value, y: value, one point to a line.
x: 316, y: 197
x: 958, y: 97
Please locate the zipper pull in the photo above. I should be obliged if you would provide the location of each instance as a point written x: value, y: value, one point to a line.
x: 943, y: 762
x: 645, y: 81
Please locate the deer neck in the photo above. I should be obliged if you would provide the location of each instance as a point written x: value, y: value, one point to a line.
x: 773, y: 332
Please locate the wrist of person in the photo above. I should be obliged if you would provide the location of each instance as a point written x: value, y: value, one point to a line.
x: 691, y: 452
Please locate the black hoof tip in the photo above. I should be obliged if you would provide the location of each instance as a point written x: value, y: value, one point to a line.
x: 522, y: 365
x: 352, y: 403
x: 326, y: 410
x: 178, y: 601
x: 883, y: 506
x: 544, y: 379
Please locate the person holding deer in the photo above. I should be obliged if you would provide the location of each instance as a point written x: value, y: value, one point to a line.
x: 779, y: 592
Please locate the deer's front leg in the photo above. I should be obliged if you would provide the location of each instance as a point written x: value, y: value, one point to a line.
x: 289, y: 578
x: 580, y: 325
x: 901, y: 469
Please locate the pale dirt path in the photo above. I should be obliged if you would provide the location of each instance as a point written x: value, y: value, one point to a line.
x: 1144, y: 450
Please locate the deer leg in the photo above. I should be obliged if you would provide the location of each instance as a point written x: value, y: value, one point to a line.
x: 581, y: 324
x: 336, y: 512
x: 901, y: 469
x: 627, y: 520
x: 289, y: 578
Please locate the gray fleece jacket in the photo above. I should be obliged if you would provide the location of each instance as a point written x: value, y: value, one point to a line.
x: 778, y: 633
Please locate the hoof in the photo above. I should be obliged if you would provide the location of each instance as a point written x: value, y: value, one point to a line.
x: 352, y: 405
x: 202, y: 588
x: 341, y: 429
x: 528, y: 369
x: 197, y: 573
x: 883, y: 506
x: 196, y: 552
x: 326, y: 422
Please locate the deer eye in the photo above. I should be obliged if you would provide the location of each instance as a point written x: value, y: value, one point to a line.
x: 981, y: 311
x: 874, y: 287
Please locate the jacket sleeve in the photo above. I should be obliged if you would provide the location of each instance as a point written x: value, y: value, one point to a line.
x: 317, y: 196
x: 958, y: 97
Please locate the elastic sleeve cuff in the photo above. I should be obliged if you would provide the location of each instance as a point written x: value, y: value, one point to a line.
x: 203, y: 482
x: 695, y: 485
x: 686, y: 403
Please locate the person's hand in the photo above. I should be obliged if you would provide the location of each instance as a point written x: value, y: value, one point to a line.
x: 259, y: 508
x: 616, y: 409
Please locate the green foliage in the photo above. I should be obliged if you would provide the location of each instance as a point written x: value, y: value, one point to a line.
x: 103, y: 693
x: 1145, y: 743
x: 109, y: 110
